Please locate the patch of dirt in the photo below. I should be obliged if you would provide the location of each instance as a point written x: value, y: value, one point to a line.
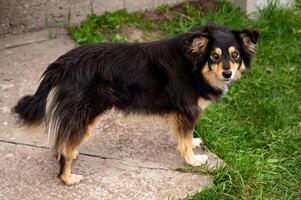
x: 134, y: 34
x: 203, y: 5
x: 155, y: 16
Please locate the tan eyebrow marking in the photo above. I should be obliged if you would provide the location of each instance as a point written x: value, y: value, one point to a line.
x: 231, y: 50
x: 218, y: 51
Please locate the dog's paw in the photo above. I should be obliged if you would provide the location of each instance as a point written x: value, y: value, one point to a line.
x: 196, y: 142
x: 75, y: 155
x: 72, y: 179
x: 199, y: 160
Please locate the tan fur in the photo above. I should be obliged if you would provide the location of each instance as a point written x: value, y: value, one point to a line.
x: 203, y: 103
x: 242, y: 66
x: 199, y: 45
x: 218, y: 51
x: 185, y: 146
x: 231, y: 50
x: 184, y: 140
x: 212, y: 75
x: 69, y: 150
x: 66, y: 175
x: 248, y: 43
x: 239, y: 71
x: 218, y: 68
x: 91, y: 127
x: 71, y: 179
x: 233, y: 65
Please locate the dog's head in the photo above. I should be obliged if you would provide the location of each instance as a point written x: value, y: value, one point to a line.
x: 219, y: 54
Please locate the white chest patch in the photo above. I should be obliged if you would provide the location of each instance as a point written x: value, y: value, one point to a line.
x: 225, y: 90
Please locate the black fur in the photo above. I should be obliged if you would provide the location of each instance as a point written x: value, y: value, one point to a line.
x: 62, y: 161
x: 31, y: 108
x: 144, y: 78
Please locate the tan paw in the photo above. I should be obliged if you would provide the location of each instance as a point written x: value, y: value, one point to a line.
x: 198, y: 160
x: 72, y: 179
x: 197, y: 142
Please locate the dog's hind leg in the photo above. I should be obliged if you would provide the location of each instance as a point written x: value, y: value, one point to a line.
x: 68, y: 152
x: 71, y: 117
x: 65, y: 162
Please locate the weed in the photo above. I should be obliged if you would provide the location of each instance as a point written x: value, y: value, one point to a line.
x: 162, y: 9
x: 106, y: 27
x: 118, y: 38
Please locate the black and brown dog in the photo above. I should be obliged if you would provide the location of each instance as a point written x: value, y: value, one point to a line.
x: 177, y: 77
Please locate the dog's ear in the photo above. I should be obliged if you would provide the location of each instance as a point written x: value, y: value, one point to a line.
x: 248, y: 39
x: 198, y: 42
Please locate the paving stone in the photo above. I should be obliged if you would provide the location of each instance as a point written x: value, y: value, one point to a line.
x: 31, y: 174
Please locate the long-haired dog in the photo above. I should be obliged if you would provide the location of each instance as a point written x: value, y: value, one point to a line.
x: 177, y: 77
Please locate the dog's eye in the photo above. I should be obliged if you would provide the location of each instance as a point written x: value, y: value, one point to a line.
x: 235, y: 55
x: 214, y: 56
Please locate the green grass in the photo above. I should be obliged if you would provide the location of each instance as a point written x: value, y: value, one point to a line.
x: 298, y: 4
x: 162, y: 9
x: 191, y: 18
x: 106, y: 27
x: 256, y: 128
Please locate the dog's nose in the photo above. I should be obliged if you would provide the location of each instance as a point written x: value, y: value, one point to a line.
x: 227, y: 74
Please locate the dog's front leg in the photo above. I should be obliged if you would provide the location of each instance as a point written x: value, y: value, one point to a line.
x: 183, y: 129
x: 197, y: 142
x: 185, y: 145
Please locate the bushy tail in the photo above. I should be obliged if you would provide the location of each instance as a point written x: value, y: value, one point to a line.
x: 32, y: 108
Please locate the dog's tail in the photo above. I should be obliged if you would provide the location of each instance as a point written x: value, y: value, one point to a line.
x: 32, y: 108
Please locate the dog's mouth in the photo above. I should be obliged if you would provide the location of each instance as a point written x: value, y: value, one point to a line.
x: 226, y: 79
x: 227, y: 76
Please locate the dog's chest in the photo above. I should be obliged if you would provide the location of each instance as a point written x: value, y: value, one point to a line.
x: 203, y: 103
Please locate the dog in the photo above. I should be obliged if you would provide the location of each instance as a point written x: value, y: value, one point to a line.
x: 177, y: 77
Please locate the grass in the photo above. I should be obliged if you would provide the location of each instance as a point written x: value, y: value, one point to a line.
x: 106, y: 27
x: 191, y: 18
x: 256, y: 128
x: 162, y: 9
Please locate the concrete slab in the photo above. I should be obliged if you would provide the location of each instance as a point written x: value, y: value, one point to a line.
x: 30, y: 173
x: 132, y: 147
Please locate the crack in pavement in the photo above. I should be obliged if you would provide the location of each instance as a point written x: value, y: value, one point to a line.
x: 122, y: 161
x: 24, y: 144
x: 23, y: 44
